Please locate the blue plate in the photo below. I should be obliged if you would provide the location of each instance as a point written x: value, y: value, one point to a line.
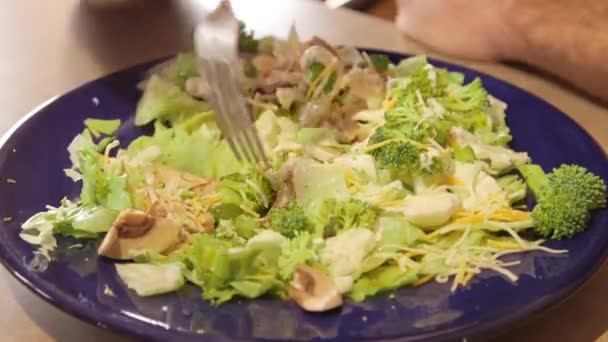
x: 34, y: 154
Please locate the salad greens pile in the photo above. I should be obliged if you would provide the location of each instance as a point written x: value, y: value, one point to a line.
x: 380, y: 176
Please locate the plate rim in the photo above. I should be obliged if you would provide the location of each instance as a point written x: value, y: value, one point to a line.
x: 137, y: 328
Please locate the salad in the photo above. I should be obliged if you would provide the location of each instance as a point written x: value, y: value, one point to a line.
x: 381, y: 175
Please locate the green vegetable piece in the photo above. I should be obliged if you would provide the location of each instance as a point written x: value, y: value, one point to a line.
x: 380, y: 62
x: 107, y: 127
x: 290, y: 221
x: 514, y: 186
x: 297, y: 251
x: 163, y: 100
x: 94, y: 220
x: 396, y: 230
x: 246, y: 226
x: 409, y: 66
x: 185, y: 67
x: 240, y: 192
x: 464, y: 154
x: 314, y: 70
x: 330, y: 216
x: 465, y: 98
x: 224, y: 271
x: 564, y: 198
x: 101, y: 185
x: 384, y: 278
x: 149, y: 280
x: 331, y: 81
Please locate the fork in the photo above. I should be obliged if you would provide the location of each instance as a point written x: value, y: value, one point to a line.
x: 216, y: 44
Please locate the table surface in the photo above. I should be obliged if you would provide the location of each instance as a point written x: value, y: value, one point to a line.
x: 53, y: 46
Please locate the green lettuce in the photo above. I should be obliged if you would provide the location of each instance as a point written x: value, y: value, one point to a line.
x: 198, y: 151
x: 163, y: 100
x: 103, y: 183
x: 396, y: 230
x: 101, y: 126
x: 381, y: 279
x: 69, y: 219
x: 299, y: 250
x: 149, y: 279
x: 224, y: 271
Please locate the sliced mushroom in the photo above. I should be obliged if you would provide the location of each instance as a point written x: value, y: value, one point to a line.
x: 313, y: 290
x: 134, y: 231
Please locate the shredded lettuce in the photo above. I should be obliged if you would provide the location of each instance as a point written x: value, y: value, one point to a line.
x: 200, y: 152
x: 224, y: 271
x: 69, y: 219
x: 107, y: 127
x: 163, y: 100
x: 299, y: 250
x: 149, y: 280
x: 381, y: 279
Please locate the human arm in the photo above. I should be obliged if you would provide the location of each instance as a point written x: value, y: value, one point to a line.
x: 564, y: 37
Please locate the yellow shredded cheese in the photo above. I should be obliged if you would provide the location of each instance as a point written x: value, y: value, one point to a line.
x: 503, y: 244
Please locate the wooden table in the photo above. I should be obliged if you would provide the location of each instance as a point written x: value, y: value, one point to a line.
x: 50, y: 47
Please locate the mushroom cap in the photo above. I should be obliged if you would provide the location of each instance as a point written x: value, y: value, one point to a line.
x: 134, y: 231
x: 313, y: 290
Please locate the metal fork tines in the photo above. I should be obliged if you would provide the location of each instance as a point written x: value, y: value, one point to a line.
x: 216, y: 41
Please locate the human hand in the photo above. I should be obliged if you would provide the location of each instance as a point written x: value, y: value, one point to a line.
x: 474, y: 29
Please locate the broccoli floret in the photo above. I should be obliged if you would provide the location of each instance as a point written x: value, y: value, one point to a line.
x: 465, y: 98
x: 331, y: 216
x: 581, y: 183
x: 239, y: 193
x: 290, y: 220
x: 356, y: 213
x: 394, y: 150
x: 395, y: 153
x: 514, y: 186
x: 564, y: 198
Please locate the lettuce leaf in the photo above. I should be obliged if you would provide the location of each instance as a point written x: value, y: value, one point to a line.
x: 381, y: 279
x: 69, y: 219
x: 396, y: 230
x: 149, y: 279
x: 102, y: 182
x: 107, y: 127
x: 198, y: 151
x: 315, y: 181
x: 297, y: 251
x: 163, y: 100
x: 224, y: 271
